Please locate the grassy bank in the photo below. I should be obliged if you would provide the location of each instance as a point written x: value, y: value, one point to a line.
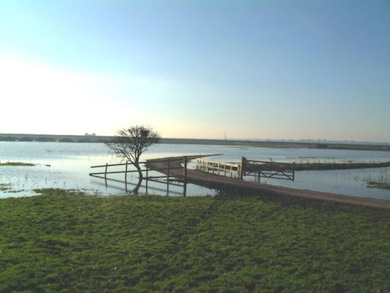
x: 75, y: 243
x: 312, y: 166
x: 339, y: 166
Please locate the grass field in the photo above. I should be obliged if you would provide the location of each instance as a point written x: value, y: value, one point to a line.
x: 65, y: 242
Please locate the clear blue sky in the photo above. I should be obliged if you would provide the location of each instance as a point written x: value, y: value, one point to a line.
x: 197, y: 69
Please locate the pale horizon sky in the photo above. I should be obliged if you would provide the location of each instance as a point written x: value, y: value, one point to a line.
x: 197, y: 69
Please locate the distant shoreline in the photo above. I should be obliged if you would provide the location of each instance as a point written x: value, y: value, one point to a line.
x: 91, y: 138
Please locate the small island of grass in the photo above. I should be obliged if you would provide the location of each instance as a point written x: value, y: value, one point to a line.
x: 381, y: 185
x: 315, y: 166
x: 340, y: 166
x: 16, y: 164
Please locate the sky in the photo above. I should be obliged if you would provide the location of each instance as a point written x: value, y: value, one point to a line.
x: 197, y: 69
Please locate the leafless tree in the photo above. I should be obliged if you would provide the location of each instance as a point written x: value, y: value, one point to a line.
x: 130, y: 143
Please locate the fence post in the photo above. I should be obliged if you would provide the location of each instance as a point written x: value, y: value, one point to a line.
x: 126, y: 177
x: 242, y: 169
x: 105, y: 175
x: 185, y: 176
x: 147, y: 170
x: 147, y: 176
x: 293, y: 172
x: 168, y: 167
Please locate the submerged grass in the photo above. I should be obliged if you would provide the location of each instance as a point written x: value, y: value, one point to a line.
x: 66, y: 242
x: 8, y: 188
x: 4, y: 187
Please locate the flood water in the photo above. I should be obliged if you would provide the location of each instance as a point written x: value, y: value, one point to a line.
x: 67, y: 166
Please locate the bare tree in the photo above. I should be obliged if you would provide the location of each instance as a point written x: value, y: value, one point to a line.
x: 130, y: 143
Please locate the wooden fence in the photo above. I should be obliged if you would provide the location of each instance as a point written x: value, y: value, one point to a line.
x: 166, y: 171
x: 220, y: 168
x: 269, y: 169
x: 253, y: 168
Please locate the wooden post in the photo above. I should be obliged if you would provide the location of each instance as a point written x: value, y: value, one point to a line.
x: 293, y: 172
x: 126, y: 177
x: 168, y: 176
x: 185, y: 176
x: 242, y: 169
x: 105, y: 175
x: 147, y: 177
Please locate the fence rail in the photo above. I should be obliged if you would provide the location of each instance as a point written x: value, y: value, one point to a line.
x: 219, y: 167
x: 173, y: 170
x: 166, y: 168
x: 254, y: 168
x: 269, y: 169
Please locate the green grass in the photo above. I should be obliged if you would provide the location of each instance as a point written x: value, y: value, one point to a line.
x: 65, y: 242
x: 340, y: 166
x: 310, y: 166
x: 381, y: 185
x: 16, y: 164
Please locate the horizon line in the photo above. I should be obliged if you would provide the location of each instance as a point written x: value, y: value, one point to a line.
x: 213, y: 139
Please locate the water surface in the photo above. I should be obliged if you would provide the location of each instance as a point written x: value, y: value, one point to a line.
x: 67, y: 165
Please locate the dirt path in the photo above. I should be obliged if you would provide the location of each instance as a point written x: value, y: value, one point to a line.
x: 215, y: 181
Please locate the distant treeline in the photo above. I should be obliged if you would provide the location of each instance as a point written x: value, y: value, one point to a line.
x: 249, y: 143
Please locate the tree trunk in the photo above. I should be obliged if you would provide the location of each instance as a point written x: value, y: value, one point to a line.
x: 140, y: 178
x: 138, y: 167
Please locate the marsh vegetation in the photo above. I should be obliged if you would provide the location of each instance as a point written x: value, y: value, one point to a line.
x: 381, y: 185
x: 318, y: 166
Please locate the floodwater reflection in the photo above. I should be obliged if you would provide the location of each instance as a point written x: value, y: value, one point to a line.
x: 70, y: 167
